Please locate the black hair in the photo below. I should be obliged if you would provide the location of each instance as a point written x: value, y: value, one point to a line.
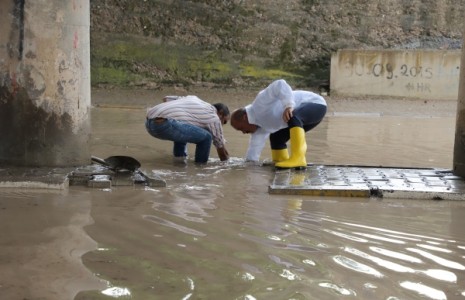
x: 220, y: 107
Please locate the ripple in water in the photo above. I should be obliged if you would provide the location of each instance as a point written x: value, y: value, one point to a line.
x: 424, y: 290
x: 441, y: 275
x: 434, y: 248
x: 289, y: 275
x: 380, y: 262
x: 117, y: 292
x: 395, y: 260
x: 395, y: 254
x: 178, y: 227
x: 338, y: 289
x: 346, y: 236
x: 356, y: 266
x: 439, y: 260
x: 380, y: 238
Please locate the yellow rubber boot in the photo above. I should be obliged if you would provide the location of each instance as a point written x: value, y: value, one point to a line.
x: 298, y: 150
x: 279, y: 154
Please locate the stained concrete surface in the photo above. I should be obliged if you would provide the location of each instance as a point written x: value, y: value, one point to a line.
x: 94, y: 176
x: 36, y: 178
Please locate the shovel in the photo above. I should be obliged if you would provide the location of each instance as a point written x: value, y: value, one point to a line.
x: 118, y: 162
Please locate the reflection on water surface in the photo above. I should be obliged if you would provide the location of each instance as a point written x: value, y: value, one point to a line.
x: 214, y: 231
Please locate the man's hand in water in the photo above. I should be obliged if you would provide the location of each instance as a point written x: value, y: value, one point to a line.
x: 222, y: 153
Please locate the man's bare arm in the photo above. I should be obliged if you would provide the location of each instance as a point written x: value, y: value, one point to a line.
x: 222, y: 153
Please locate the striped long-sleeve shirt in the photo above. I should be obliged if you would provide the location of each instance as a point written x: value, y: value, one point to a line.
x: 194, y: 111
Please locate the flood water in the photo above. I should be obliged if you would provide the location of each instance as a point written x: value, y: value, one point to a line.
x: 215, y: 233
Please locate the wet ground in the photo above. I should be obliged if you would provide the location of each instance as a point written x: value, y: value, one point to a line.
x: 215, y: 231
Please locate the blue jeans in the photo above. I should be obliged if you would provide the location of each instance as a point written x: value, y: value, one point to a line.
x: 181, y: 134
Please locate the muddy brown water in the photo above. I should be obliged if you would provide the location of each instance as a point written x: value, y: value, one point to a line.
x: 215, y: 233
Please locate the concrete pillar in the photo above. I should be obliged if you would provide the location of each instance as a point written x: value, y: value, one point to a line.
x: 459, y: 146
x: 44, y: 83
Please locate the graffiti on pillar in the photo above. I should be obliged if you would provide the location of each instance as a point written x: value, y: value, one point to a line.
x: 18, y: 14
x: 76, y: 39
x: 402, y: 73
x: 419, y: 87
x: 389, y: 72
x: 14, y: 84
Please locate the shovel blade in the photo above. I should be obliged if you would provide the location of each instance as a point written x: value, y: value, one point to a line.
x: 118, y: 162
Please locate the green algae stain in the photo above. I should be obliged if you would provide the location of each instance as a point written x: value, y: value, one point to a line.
x: 111, y: 76
x: 257, y: 72
x: 136, y: 60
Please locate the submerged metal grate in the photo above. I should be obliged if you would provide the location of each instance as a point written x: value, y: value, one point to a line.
x: 366, y: 181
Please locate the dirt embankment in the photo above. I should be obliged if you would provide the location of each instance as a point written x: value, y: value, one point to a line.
x: 239, y: 43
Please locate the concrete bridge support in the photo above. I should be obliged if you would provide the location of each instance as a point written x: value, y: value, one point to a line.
x: 459, y: 146
x: 44, y: 83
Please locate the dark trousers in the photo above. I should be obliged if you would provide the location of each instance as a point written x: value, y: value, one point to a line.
x: 307, y: 116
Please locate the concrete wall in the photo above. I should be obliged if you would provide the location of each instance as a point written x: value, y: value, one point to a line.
x: 424, y: 74
x: 44, y: 82
x: 459, y: 145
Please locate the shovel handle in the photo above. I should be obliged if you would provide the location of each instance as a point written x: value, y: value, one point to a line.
x: 99, y: 160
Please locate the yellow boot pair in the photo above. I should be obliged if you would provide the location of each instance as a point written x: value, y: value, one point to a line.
x: 298, y: 150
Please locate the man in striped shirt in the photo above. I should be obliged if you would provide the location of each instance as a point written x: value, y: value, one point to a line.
x: 190, y: 120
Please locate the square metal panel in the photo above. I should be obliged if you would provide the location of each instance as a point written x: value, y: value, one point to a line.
x: 366, y: 181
